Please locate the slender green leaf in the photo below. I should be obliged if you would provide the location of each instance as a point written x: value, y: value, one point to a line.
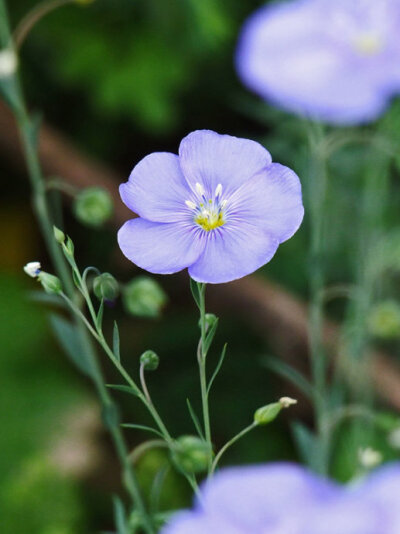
x: 142, y: 427
x: 75, y: 278
x: 210, y: 336
x: 69, y: 338
x: 291, y: 374
x: 124, y: 389
x: 99, y: 317
x: 306, y: 444
x: 116, y: 347
x: 195, y: 419
x: 194, y: 288
x: 218, y: 367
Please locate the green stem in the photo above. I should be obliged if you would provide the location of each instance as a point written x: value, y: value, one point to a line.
x: 201, y: 357
x: 229, y: 444
x: 27, y: 132
x: 317, y: 202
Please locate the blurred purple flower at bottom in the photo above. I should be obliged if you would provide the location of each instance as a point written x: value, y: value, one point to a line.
x: 333, y: 60
x: 221, y: 208
x: 287, y: 499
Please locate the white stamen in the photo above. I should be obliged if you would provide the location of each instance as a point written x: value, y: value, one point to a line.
x: 218, y: 190
x: 223, y: 203
x: 199, y: 188
x: 32, y: 268
x: 190, y: 204
x: 206, y: 213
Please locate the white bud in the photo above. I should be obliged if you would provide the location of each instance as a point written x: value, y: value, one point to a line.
x: 369, y: 457
x: 199, y: 188
x: 218, y: 190
x: 8, y: 62
x: 286, y: 402
x: 190, y: 204
x: 32, y: 268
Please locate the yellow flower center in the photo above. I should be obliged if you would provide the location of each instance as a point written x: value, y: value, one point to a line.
x: 369, y: 44
x: 208, y: 213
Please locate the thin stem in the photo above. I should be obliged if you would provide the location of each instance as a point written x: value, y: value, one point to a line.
x: 317, y: 201
x: 201, y: 357
x: 143, y: 383
x: 229, y: 444
x: 33, y: 17
x: 27, y: 132
x: 98, y: 335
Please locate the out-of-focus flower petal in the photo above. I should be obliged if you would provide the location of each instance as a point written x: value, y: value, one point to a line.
x: 255, y: 497
x: 233, y: 251
x: 332, y: 61
x: 212, y: 159
x: 197, y: 523
x: 345, y: 515
x: 157, y: 189
x: 271, y: 200
x: 160, y: 247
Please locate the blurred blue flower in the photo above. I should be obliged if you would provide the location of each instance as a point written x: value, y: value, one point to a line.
x: 287, y: 499
x: 336, y: 61
x: 220, y: 208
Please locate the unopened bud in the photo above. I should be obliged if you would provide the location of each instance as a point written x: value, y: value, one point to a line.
x: 8, y: 62
x: 369, y: 458
x: 58, y: 235
x: 51, y: 284
x: 149, y: 360
x: 93, y: 206
x: 144, y: 297
x: 384, y: 320
x: 105, y: 287
x: 32, y: 269
x: 286, y: 402
x: 191, y: 454
x: 210, y: 320
x: 268, y: 413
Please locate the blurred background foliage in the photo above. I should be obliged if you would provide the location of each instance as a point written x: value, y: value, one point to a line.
x: 123, y: 78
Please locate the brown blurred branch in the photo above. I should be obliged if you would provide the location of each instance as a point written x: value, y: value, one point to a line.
x: 277, y: 316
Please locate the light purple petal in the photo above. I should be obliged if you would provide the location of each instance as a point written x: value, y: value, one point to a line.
x: 233, y: 251
x: 211, y: 159
x: 157, y: 189
x: 271, y: 200
x: 262, y: 497
x: 197, y: 523
x: 383, y: 488
x: 160, y: 247
x: 292, y: 55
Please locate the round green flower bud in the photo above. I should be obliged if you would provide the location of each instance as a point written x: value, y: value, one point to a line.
x: 384, y: 320
x: 93, y: 206
x: 210, y: 319
x: 191, y: 454
x: 51, y: 284
x: 58, y: 235
x: 144, y: 297
x: 105, y: 287
x: 267, y: 413
x: 149, y: 360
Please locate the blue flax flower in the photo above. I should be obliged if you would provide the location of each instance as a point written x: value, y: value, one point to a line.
x: 287, y: 499
x: 333, y: 60
x: 220, y: 208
